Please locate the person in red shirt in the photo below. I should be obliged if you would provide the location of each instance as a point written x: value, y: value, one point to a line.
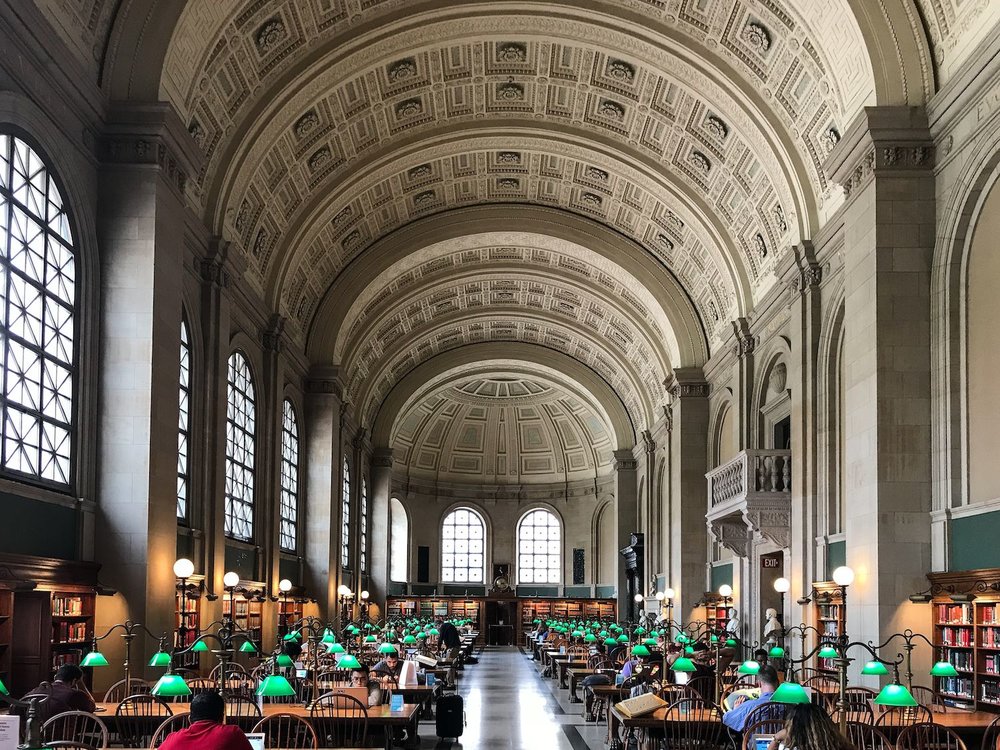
x: 207, y: 732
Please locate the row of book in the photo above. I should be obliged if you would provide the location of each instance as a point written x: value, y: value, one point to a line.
x: 991, y: 637
x: 954, y: 614
x: 989, y: 691
x: 960, y: 686
x: 956, y: 637
x: 960, y: 659
x: 991, y: 664
x: 67, y: 606
x: 69, y: 631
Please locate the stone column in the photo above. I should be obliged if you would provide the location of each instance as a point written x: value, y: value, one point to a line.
x: 802, y: 275
x: 140, y: 207
x: 379, y: 524
x: 626, y: 517
x: 743, y: 349
x: 269, y: 448
x: 885, y: 165
x: 321, y: 535
x: 650, y: 527
x: 689, y: 462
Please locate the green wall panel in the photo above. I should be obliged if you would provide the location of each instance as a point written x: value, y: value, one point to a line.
x: 605, y: 592
x: 722, y: 574
x: 973, y: 542
x: 31, y: 527
x: 836, y: 555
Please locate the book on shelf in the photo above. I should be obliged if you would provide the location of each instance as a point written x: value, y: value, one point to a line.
x: 988, y: 614
x: 991, y: 638
x: 991, y: 664
x: 989, y: 691
x: 960, y: 687
x: 69, y: 631
x: 959, y: 659
x: 954, y: 614
x: 67, y: 606
x: 952, y: 636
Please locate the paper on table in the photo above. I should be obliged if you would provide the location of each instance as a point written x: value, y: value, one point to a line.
x: 10, y: 732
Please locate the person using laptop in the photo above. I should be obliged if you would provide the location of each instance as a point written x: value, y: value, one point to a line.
x: 767, y: 678
x: 359, y: 679
x: 390, y: 664
x: 207, y: 732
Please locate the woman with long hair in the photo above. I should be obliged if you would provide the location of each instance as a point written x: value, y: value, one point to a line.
x: 808, y: 727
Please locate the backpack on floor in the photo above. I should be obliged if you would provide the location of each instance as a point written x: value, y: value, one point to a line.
x: 450, y: 716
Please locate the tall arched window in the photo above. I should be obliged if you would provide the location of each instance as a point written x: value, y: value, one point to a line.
x: 184, y: 425
x: 240, y: 449
x: 345, y: 517
x: 539, y: 548
x: 364, y: 525
x: 399, y: 541
x: 38, y: 306
x: 289, y: 509
x: 463, y: 541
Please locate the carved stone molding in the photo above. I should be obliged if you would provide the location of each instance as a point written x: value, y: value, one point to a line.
x: 746, y: 342
x: 625, y: 461
x: 271, y: 336
x: 774, y: 523
x: 732, y: 533
x: 145, y: 150
x: 648, y: 443
x: 888, y: 158
x: 382, y: 458
x: 689, y: 390
x: 325, y: 386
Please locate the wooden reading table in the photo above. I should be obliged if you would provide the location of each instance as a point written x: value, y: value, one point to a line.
x: 565, y: 665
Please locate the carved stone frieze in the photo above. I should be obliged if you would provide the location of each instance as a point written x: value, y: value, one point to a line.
x: 886, y: 158
x: 124, y: 149
x: 732, y: 533
x: 271, y: 335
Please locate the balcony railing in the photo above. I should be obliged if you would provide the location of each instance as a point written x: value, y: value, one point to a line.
x: 751, y: 493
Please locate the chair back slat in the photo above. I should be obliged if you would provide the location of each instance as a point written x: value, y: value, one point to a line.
x: 867, y: 737
x: 340, y: 720
x: 76, y: 726
x: 287, y: 731
x: 928, y: 736
x: 693, y: 724
x: 173, y: 724
x: 142, y: 716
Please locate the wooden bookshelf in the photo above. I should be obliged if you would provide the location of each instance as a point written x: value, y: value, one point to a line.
x: 828, y: 609
x: 289, y: 613
x: 72, y: 626
x: 587, y: 609
x: 967, y: 635
x: 717, y: 616
x: 248, y: 616
x: 187, y: 626
x: 6, y: 633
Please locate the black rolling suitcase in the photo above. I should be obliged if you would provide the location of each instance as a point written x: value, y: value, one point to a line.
x: 450, y: 716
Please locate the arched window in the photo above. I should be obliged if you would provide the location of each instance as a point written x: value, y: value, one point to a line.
x: 463, y: 541
x: 399, y: 540
x: 345, y: 518
x: 539, y: 548
x: 289, y: 509
x: 184, y: 425
x: 240, y: 449
x: 364, y: 525
x: 38, y: 308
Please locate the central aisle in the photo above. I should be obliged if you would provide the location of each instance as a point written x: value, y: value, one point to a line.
x: 508, y: 705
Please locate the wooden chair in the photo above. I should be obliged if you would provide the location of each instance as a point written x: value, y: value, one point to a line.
x: 340, y: 720
x: 232, y: 670
x: 704, y: 686
x: 576, y: 652
x: 766, y: 712
x: 118, y: 692
x: 174, y: 724
x: 139, y: 718
x: 867, y: 737
x: 857, y: 706
x: 683, y: 732
x: 929, y: 698
x: 903, y: 717
x: 672, y: 693
x: 386, y: 678
x: 76, y: 726
x: 287, y: 731
x: 928, y: 736
x: 765, y: 726
x: 991, y: 735
x: 73, y: 745
x: 242, y: 707
x: 822, y: 682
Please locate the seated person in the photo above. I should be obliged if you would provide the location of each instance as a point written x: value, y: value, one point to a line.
x: 391, y: 663
x: 736, y: 718
x: 207, y: 732
x: 359, y: 678
x: 67, y: 692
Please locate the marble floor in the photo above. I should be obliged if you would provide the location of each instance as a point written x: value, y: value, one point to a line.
x: 509, y: 705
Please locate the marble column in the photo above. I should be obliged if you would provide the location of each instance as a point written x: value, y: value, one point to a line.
x: 626, y: 518
x: 885, y: 163
x: 146, y: 156
x: 689, y: 462
x: 379, y: 523
x: 269, y: 445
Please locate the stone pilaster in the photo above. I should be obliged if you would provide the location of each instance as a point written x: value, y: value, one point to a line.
x: 269, y: 476
x: 688, y: 464
x: 140, y: 207
x: 321, y: 533
x: 885, y: 165
x: 379, y: 522
x: 626, y: 517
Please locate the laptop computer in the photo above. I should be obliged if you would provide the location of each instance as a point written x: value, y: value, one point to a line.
x: 355, y: 692
x: 256, y: 740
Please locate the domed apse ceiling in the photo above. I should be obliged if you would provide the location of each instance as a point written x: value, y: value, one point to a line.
x: 502, y: 430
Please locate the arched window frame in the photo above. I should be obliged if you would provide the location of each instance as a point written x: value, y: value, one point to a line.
x: 184, y: 426
x: 288, y: 511
x: 39, y: 349
x: 455, y: 529
x: 363, y: 511
x: 539, y: 526
x: 345, y: 516
x: 241, y: 447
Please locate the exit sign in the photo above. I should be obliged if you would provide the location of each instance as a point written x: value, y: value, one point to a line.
x: 770, y: 562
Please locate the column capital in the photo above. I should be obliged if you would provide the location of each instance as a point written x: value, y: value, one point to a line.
x: 625, y: 460
x: 688, y: 382
x: 382, y: 458
x: 271, y: 334
x: 325, y: 380
x: 800, y: 271
x: 882, y: 141
x: 746, y: 342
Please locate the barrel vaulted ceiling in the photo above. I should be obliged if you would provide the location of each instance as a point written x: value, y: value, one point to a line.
x: 611, y: 181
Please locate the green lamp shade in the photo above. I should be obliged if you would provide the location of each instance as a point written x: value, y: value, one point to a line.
x: 683, y: 664
x: 535, y: 621
x: 895, y: 695
x: 199, y: 646
x: 578, y: 634
x: 328, y: 637
x: 160, y: 659
x: 3, y: 689
x: 640, y: 630
x: 623, y: 638
x: 649, y: 642
x: 749, y: 667
x: 409, y: 640
x: 171, y: 686
x: 590, y: 638
x: 275, y: 686
x: 387, y: 648
x: 94, y: 659
x: 284, y: 660
x: 422, y: 636
x: 776, y: 652
x: 874, y: 668
x: 369, y: 626
x: 689, y: 649
x: 681, y: 638
x: 370, y: 639
x: 349, y: 662
x: 944, y: 669
x: 790, y: 692
x: 610, y: 642
x: 434, y: 631
x: 247, y: 647
x: 731, y: 642
x: 640, y: 650
x: 354, y: 629
x: 336, y: 648
x: 714, y: 639
x: 292, y: 636
x: 828, y: 652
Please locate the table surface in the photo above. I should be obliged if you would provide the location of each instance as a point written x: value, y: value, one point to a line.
x: 381, y: 715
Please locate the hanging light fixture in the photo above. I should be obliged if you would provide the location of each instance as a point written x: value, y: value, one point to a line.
x: 790, y: 692
x: 170, y: 686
